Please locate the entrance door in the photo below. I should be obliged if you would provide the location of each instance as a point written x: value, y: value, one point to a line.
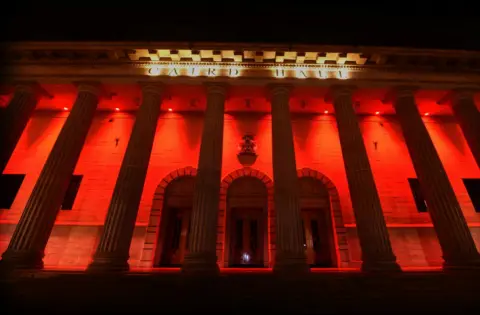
x: 246, y: 237
x: 317, y: 235
x: 176, y: 238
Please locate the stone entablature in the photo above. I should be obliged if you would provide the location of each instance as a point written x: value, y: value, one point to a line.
x: 127, y: 60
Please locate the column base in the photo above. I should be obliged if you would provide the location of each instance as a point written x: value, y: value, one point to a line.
x: 200, y: 264
x: 12, y: 260
x: 462, y: 265
x: 291, y: 264
x: 108, y: 263
x: 381, y: 266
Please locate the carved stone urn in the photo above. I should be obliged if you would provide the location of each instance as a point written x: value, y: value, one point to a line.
x: 247, y: 151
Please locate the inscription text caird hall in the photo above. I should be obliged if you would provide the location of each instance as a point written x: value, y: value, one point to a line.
x: 233, y: 71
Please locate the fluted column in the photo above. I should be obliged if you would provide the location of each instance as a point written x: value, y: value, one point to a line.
x: 290, y: 253
x: 377, y: 253
x: 26, y: 248
x: 15, y: 118
x: 202, y: 258
x: 468, y: 117
x: 449, y: 223
x: 113, y: 250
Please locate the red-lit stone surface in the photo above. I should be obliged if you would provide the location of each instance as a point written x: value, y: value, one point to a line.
x: 176, y: 146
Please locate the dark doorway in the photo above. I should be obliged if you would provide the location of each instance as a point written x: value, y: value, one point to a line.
x: 317, y: 224
x: 246, y: 237
x: 176, y: 237
x: 246, y: 241
x: 316, y: 235
x: 174, y: 232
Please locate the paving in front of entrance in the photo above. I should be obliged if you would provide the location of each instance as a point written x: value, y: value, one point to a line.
x: 241, y: 292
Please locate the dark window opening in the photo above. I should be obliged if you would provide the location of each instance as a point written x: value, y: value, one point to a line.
x: 304, y: 238
x: 71, y: 192
x: 315, y: 235
x: 239, y: 234
x: 9, y: 186
x: 253, y: 235
x: 473, y: 189
x: 418, y: 195
x: 177, y: 230
x: 188, y: 236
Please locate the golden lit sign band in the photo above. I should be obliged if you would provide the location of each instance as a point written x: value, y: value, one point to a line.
x: 237, y: 71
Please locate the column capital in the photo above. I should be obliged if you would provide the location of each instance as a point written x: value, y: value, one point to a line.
x: 216, y: 88
x: 156, y: 88
x: 339, y: 90
x: 93, y: 87
x: 32, y: 87
x: 278, y: 88
x: 455, y: 95
x: 398, y: 92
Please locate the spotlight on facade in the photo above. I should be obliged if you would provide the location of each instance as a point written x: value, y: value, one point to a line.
x: 322, y: 74
x: 193, y: 71
x: 154, y: 71
x: 169, y: 109
x: 117, y: 109
x: 325, y: 112
x: 342, y: 74
x: 212, y: 72
x: 377, y: 113
x: 65, y: 108
x: 427, y: 114
x: 279, y: 73
x: 233, y: 72
x: 301, y: 73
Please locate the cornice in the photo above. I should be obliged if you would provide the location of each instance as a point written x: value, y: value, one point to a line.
x: 105, y: 52
x: 93, y: 45
x: 58, y: 59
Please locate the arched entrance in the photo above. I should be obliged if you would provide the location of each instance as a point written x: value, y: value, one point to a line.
x: 172, y: 242
x: 318, y: 232
x: 247, y: 223
x: 312, y: 196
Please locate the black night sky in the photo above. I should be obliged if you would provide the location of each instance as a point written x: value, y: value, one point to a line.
x: 392, y: 23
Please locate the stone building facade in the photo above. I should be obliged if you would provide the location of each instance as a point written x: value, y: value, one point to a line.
x: 205, y: 157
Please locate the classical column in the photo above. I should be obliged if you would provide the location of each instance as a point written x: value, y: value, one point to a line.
x: 449, y: 223
x: 26, y: 248
x: 113, y: 250
x: 468, y: 118
x: 15, y: 118
x: 290, y: 253
x: 377, y: 253
x: 202, y: 258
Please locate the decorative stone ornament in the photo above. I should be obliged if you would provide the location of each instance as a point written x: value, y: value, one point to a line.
x: 247, y: 151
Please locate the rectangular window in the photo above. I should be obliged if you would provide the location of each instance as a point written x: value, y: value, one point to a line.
x: 71, y: 193
x: 473, y: 189
x: 9, y: 186
x: 417, y: 195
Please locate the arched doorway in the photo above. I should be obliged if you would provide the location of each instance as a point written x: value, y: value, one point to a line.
x: 172, y: 243
x: 247, y: 223
x: 317, y: 223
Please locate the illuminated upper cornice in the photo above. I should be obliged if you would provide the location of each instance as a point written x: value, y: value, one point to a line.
x: 133, y: 52
x: 239, y: 63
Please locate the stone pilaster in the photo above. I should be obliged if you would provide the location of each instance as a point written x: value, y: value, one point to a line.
x: 290, y: 253
x: 26, y: 247
x: 113, y: 250
x: 468, y: 117
x: 457, y: 244
x: 15, y: 118
x: 202, y: 258
x: 377, y: 253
